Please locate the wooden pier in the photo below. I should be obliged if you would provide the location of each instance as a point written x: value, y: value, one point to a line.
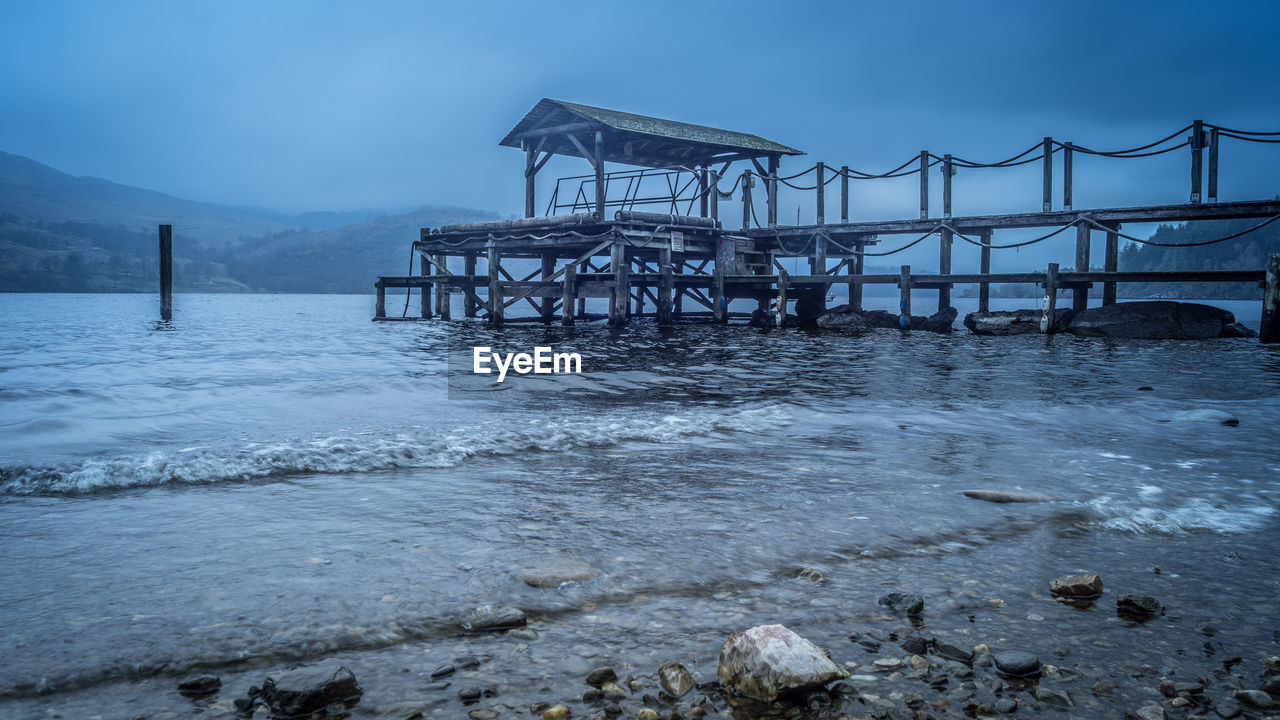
x: 601, y: 237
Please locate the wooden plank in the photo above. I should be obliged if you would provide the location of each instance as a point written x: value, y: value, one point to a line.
x: 166, y: 273
x: 1080, y: 295
x: 566, y: 128
x: 1050, y: 305
x: 1269, y: 331
x: 984, y: 268
x: 1111, y: 263
x: 904, y: 298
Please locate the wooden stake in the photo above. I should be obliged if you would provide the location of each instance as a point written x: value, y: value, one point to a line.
x: 818, y: 261
x: 1269, y: 331
x: 380, y: 304
x: 665, y: 285
x: 1080, y: 295
x: 1050, y: 299
x: 714, y: 193
x: 442, y: 289
x: 704, y: 182
x: 773, y: 191
x: 621, y: 295
x: 944, y: 267
x: 569, y: 294
x: 822, y: 194
x: 844, y: 193
x: 1047, y: 206
x: 469, y: 270
x: 166, y: 272
x: 904, y: 298
x: 719, y: 308
x: 780, y: 316
x: 855, y: 288
x: 1197, y: 153
x: 1213, y: 165
x: 425, y: 291
x: 924, y: 183
x: 946, y: 186
x: 1066, y: 176
x: 984, y: 267
x: 548, y: 301
x: 1111, y: 264
x: 497, y: 309
x: 530, y: 172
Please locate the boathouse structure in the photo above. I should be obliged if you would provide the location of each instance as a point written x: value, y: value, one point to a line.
x: 676, y: 234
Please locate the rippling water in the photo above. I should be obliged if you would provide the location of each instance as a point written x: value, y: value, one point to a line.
x: 275, y: 478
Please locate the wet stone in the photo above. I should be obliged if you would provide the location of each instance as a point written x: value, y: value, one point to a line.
x: 601, y: 675
x: 1150, y: 711
x: 1085, y: 586
x: 487, y: 618
x: 592, y: 696
x: 1138, y: 605
x: 200, y: 685
x: 555, y: 712
x: 443, y: 670
x: 483, y: 714
x: 466, y: 662
x: 952, y: 651
x: 1005, y: 706
x: 904, y: 603
x: 915, y: 645
x: 1057, y: 699
x: 612, y: 691
x: 470, y: 694
x: 1255, y: 698
x: 1017, y: 663
x: 675, y: 679
x: 308, y: 689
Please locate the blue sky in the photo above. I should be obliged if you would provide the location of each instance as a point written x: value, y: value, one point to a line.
x: 319, y: 105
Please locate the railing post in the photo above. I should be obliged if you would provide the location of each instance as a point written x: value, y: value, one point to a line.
x: 984, y: 267
x: 946, y: 186
x: 844, y: 193
x: 822, y: 193
x: 1050, y: 299
x: 1213, y: 165
x: 1080, y: 295
x: 904, y: 298
x: 530, y: 172
x: 600, y: 188
x: 1111, y: 264
x: 1197, y: 153
x: 1066, y: 176
x: 1269, y: 332
x: 746, y: 199
x: 1047, y: 205
x: 924, y: 183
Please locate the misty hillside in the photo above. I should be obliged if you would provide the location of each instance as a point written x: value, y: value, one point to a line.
x: 60, y: 233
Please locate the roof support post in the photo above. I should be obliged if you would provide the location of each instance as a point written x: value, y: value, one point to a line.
x: 530, y: 172
x: 773, y: 191
x: 599, y: 163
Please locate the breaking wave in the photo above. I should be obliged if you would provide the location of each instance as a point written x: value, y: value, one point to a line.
x: 1196, y: 515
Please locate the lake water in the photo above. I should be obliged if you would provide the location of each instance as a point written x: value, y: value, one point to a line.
x: 276, y: 479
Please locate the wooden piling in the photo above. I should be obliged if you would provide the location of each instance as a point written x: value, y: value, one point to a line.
x: 844, y: 193
x: 442, y: 289
x: 1111, y: 263
x: 719, y: 305
x: 166, y: 272
x: 569, y: 294
x: 818, y: 260
x: 1269, y: 332
x: 665, y: 285
x: 1197, y: 154
x: 855, y: 288
x: 1047, y: 185
x: 780, y: 314
x: 984, y: 267
x: 904, y: 298
x: 924, y: 183
x: 548, y: 268
x: 944, y: 267
x: 380, y: 303
x: 1080, y: 295
x: 425, y: 291
x: 469, y: 269
x: 1066, y: 176
x: 822, y: 193
x: 583, y: 267
x: 530, y: 172
x: 497, y: 310
x: 1213, y: 165
x: 621, y: 295
x: 1050, y: 306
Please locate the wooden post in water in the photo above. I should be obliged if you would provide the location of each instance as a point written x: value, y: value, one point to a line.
x: 719, y: 306
x: 984, y: 267
x: 1080, y: 295
x: 1269, y: 332
x: 166, y: 272
x: 924, y: 183
x: 844, y: 193
x: 1047, y: 205
x: 904, y: 298
x: 822, y: 193
x: 583, y: 267
x: 1111, y: 263
x: 569, y: 294
x: 548, y: 298
x: 1066, y: 176
x: 944, y: 267
x: 780, y: 315
x: 665, y: 285
x: 858, y: 263
x: 1213, y: 165
x: 442, y: 289
x: 425, y: 300
x: 497, y: 311
x: 621, y: 295
x: 1050, y: 299
x: 380, y: 304
x: 1197, y: 154
x: 469, y: 270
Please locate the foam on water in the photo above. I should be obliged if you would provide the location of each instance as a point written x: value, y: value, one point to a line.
x: 1195, y: 515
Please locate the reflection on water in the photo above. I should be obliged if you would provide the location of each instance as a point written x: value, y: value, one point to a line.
x: 276, y: 477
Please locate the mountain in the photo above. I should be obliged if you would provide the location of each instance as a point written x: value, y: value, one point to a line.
x: 60, y: 233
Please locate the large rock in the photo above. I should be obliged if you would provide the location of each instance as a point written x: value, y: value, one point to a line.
x: 1015, y: 322
x: 1088, y: 585
x: 1153, y: 319
x: 558, y: 573
x: 769, y: 660
x: 492, y: 618
x: 940, y: 322
x: 845, y: 320
x: 810, y: 305
x: 304, y: 690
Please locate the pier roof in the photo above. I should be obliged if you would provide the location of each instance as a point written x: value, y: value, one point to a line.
x: 630, y: 139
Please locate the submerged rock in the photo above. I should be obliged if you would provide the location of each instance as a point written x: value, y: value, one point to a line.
x: 1255, y: 698
x: 769, y: 660
x: 200, y: 685
x: 1206, y: 415
x: 555, y: 712
x: 1085, y: 586
x: 907, y: 603
x: 1150, y: 711
x: 1015, y: 322
x: 557, y: 574
x: 675, y: 679
x: 1153, y: 319
x: 1138, y: 605
x: 493, y: 617
x: 1001, y: 496
x: 1017, y: 663
x: 601, y: 675
x: 951, y: 651
x: 305, y: 690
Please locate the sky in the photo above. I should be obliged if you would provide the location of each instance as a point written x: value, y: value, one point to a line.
x: 300, y: 106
